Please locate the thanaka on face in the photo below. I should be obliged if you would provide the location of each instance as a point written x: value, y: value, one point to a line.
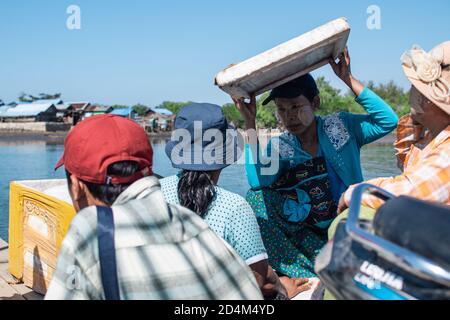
x: 297, y: 114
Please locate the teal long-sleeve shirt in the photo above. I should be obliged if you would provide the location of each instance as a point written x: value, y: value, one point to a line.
x: 341, y: 136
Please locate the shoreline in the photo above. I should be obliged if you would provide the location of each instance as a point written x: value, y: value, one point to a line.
x: 59, y: 136
x: 54, y: 137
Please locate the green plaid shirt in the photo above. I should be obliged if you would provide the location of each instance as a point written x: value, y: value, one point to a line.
x: 158, y: 257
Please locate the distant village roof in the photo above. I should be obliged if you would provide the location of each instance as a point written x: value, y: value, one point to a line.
x: 124, y: 112
x: 162, y: 111
x: 15, y: 103
x: 3, y: 109
x: 27, y: 110
x: 79, y: 105
x: 63, y: 107
x: 97, y: 108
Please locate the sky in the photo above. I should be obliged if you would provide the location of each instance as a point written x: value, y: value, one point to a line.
x: 129, y: 52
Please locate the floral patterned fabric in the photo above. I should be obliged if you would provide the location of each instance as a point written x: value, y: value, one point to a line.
x: 307, y: 194
x: 292, y: 247
x: 336, y: 131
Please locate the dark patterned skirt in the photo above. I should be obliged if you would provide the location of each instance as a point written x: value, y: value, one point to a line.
x: 292, y: 247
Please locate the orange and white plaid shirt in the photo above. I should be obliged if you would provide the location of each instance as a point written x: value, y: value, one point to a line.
x: 425, y: 163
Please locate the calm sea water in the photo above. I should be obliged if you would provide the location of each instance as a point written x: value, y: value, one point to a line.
x: 28, y: 160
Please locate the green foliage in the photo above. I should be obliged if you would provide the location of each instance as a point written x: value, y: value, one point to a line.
x: 331, y: 100
x: 119, y: 106
x: 265, y: 115
x: 140, y: 109
x: 395, y: 96
x: 172, y: 106
x: 233, y: 115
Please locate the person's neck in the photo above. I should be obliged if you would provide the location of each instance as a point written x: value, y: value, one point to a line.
x: 87, y: 201
x: 215, y: 176
x: 437, y: 127
x: 435, y: 120
x: 98, y: 203
x: 309, y: 136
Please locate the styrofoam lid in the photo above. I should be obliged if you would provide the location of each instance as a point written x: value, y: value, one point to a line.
x: 286, y: 61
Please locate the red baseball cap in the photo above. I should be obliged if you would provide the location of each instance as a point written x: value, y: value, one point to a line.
x: 97, y: 142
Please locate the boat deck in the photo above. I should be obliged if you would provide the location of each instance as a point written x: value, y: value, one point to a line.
x: 10, y: 288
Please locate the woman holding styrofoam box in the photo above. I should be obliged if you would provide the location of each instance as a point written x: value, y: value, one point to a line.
x: 317, y: 159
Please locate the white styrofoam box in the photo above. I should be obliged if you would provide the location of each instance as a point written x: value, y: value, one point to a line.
x: 53, y: 187
x: 285, y: 62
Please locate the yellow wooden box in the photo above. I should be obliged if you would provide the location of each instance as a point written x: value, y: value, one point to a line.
x: 40, y: 212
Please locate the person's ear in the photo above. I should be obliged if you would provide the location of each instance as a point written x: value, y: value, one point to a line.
x: 279, y: 119
x: 79, y: 193
x: 316, y: 103
x: 77, y: 188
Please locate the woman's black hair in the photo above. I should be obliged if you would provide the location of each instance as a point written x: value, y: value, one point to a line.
x: 108, y: 193
x: 196, y: 191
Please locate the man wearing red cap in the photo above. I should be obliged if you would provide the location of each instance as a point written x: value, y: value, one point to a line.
x: 126, y: 242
